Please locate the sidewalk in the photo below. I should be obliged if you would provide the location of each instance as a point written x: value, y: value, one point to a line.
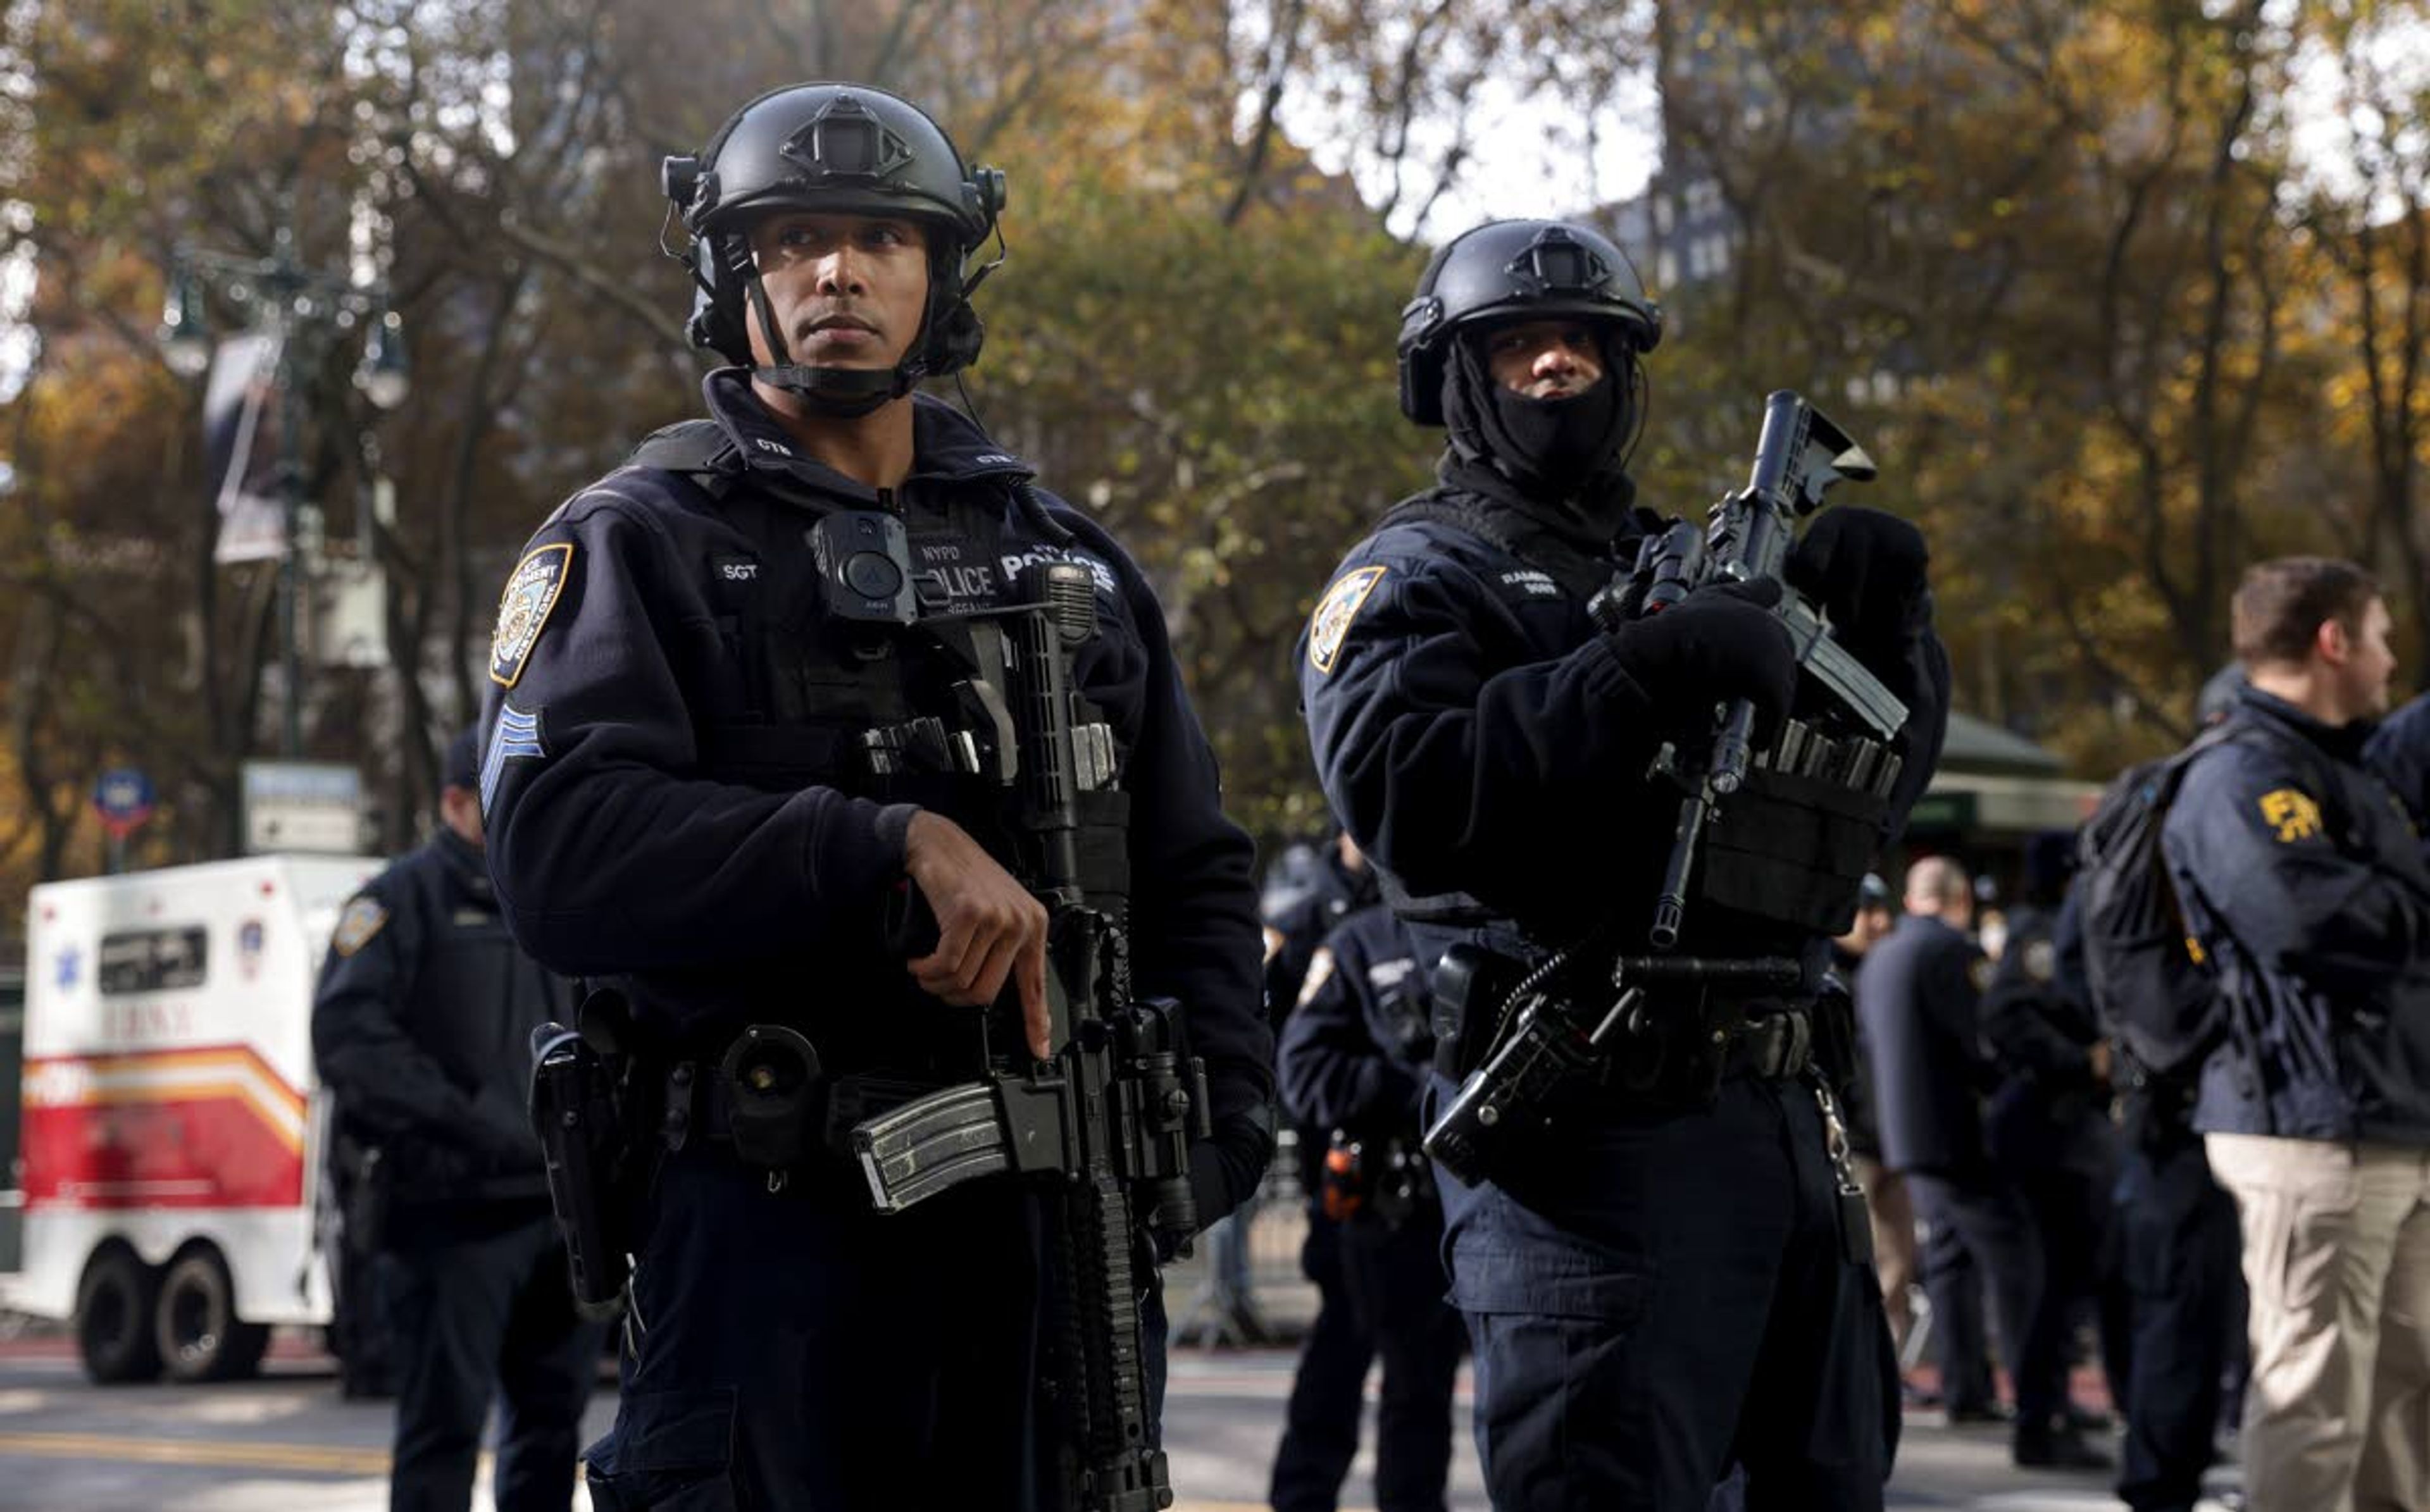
x: 1225, y: 1418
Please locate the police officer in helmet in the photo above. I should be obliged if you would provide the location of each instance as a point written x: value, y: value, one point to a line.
x: 1660, y: 1279
x: 729, y: 767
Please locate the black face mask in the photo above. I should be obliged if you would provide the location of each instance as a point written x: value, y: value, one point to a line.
x: 1561, y: 448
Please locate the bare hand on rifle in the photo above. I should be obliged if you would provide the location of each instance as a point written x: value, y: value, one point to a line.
x: 990, y: 929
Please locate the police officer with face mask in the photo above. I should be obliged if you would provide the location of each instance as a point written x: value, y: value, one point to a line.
x: 1663, y: 1276
x: 730, y: 755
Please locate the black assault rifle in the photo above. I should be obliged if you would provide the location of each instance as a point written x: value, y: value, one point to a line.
x: 1746, y: 539
x: 1547, y: 1035
x: 1108, y: 1118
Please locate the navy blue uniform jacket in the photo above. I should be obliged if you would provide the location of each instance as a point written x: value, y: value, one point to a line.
x: 1920, y: 1006
x: 2038, y: 1020
x: 2301, y: 875
x: 422, y: 1029
x: 1355, y: 1050
x: 2399, y: 753
x: 669, y: 771
x: 1297, y: 923
x: 1485, y: 744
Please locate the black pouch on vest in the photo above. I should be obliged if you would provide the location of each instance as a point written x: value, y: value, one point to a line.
x: 1792, y: 850
x: 1471, y: 983
x: 775, y: 1091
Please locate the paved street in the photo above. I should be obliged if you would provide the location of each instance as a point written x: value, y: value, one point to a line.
x: 287, y: 1443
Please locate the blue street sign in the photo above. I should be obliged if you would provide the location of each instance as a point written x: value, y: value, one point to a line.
x: 125, y: 799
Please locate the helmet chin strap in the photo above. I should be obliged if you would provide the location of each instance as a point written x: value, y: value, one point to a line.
x: 843, y: 393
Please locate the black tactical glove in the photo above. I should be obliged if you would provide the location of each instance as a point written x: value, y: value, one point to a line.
x: 1720, y: 642
x: 1866, y: 568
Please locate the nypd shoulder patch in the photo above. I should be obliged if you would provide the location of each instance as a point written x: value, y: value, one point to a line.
x: 524, y: 607
x: 1330, y: 625
x: 357, y: 925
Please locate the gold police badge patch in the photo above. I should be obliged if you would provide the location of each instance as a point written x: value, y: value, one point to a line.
x: 2293, y: 814
x: 357, y: 925
x: 523, y: 609
x: 1328, y: 628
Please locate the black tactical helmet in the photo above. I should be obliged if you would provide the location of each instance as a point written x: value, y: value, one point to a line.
x: 845, y: 148
x: 1516, y: 270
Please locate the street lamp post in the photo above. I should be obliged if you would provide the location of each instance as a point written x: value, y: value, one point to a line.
x: 289, y: 299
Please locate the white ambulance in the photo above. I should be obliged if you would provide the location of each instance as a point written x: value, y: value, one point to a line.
x: 171, y: 1146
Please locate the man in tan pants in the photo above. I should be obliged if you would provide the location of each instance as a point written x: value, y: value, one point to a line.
x: 2337, y: 1255
x: 2303, y: 879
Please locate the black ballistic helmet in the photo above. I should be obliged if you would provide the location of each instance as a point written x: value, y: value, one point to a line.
x: 845, y: 149
x: 1516, y: 270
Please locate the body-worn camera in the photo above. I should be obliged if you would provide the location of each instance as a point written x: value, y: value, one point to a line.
x: 864, y: 562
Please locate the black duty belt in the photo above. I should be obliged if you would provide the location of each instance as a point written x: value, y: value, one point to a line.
x: 1776, y: 1047
x: 771, y: 1101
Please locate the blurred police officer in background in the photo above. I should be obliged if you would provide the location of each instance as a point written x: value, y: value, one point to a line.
x: 721, y: 745
x: 1351, y: 1062
x: 2301, y: 878
x: 420, y: 1027
x: 1919, y: 1000
x: 2048, y: 1126
x: 1299, y: 913
x: 2399, y: 754
x: 1665, y: 1280
x: 2177, y: 1238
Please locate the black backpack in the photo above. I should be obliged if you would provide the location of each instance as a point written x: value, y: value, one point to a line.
x: 2149, y: 981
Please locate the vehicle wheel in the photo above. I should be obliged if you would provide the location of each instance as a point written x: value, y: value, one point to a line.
x: 195, y: 1327
x: 113, y: 1317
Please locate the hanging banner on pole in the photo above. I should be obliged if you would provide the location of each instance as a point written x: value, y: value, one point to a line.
x: 240, y: 424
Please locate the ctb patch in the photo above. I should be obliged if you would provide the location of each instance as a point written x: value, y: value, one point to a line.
x: 524, y: 607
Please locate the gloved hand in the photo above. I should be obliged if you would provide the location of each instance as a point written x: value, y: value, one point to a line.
x: 1866, y: 568
x: 1721, y: 641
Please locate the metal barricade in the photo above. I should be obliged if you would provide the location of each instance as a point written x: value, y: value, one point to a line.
x: 1244, y: 1285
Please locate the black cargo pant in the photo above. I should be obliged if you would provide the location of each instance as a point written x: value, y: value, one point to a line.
x: 2183, y: 1257
x: 1652, y: 1298
x: 791, y: 1351
x: 479, y: 1305
x: 1974, y: 1208
x: 1380, y: 1291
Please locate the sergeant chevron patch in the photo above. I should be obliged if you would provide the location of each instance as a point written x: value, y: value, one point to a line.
x: 517, y: 734
x: 523, y: 609
x: 1328, y: 628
